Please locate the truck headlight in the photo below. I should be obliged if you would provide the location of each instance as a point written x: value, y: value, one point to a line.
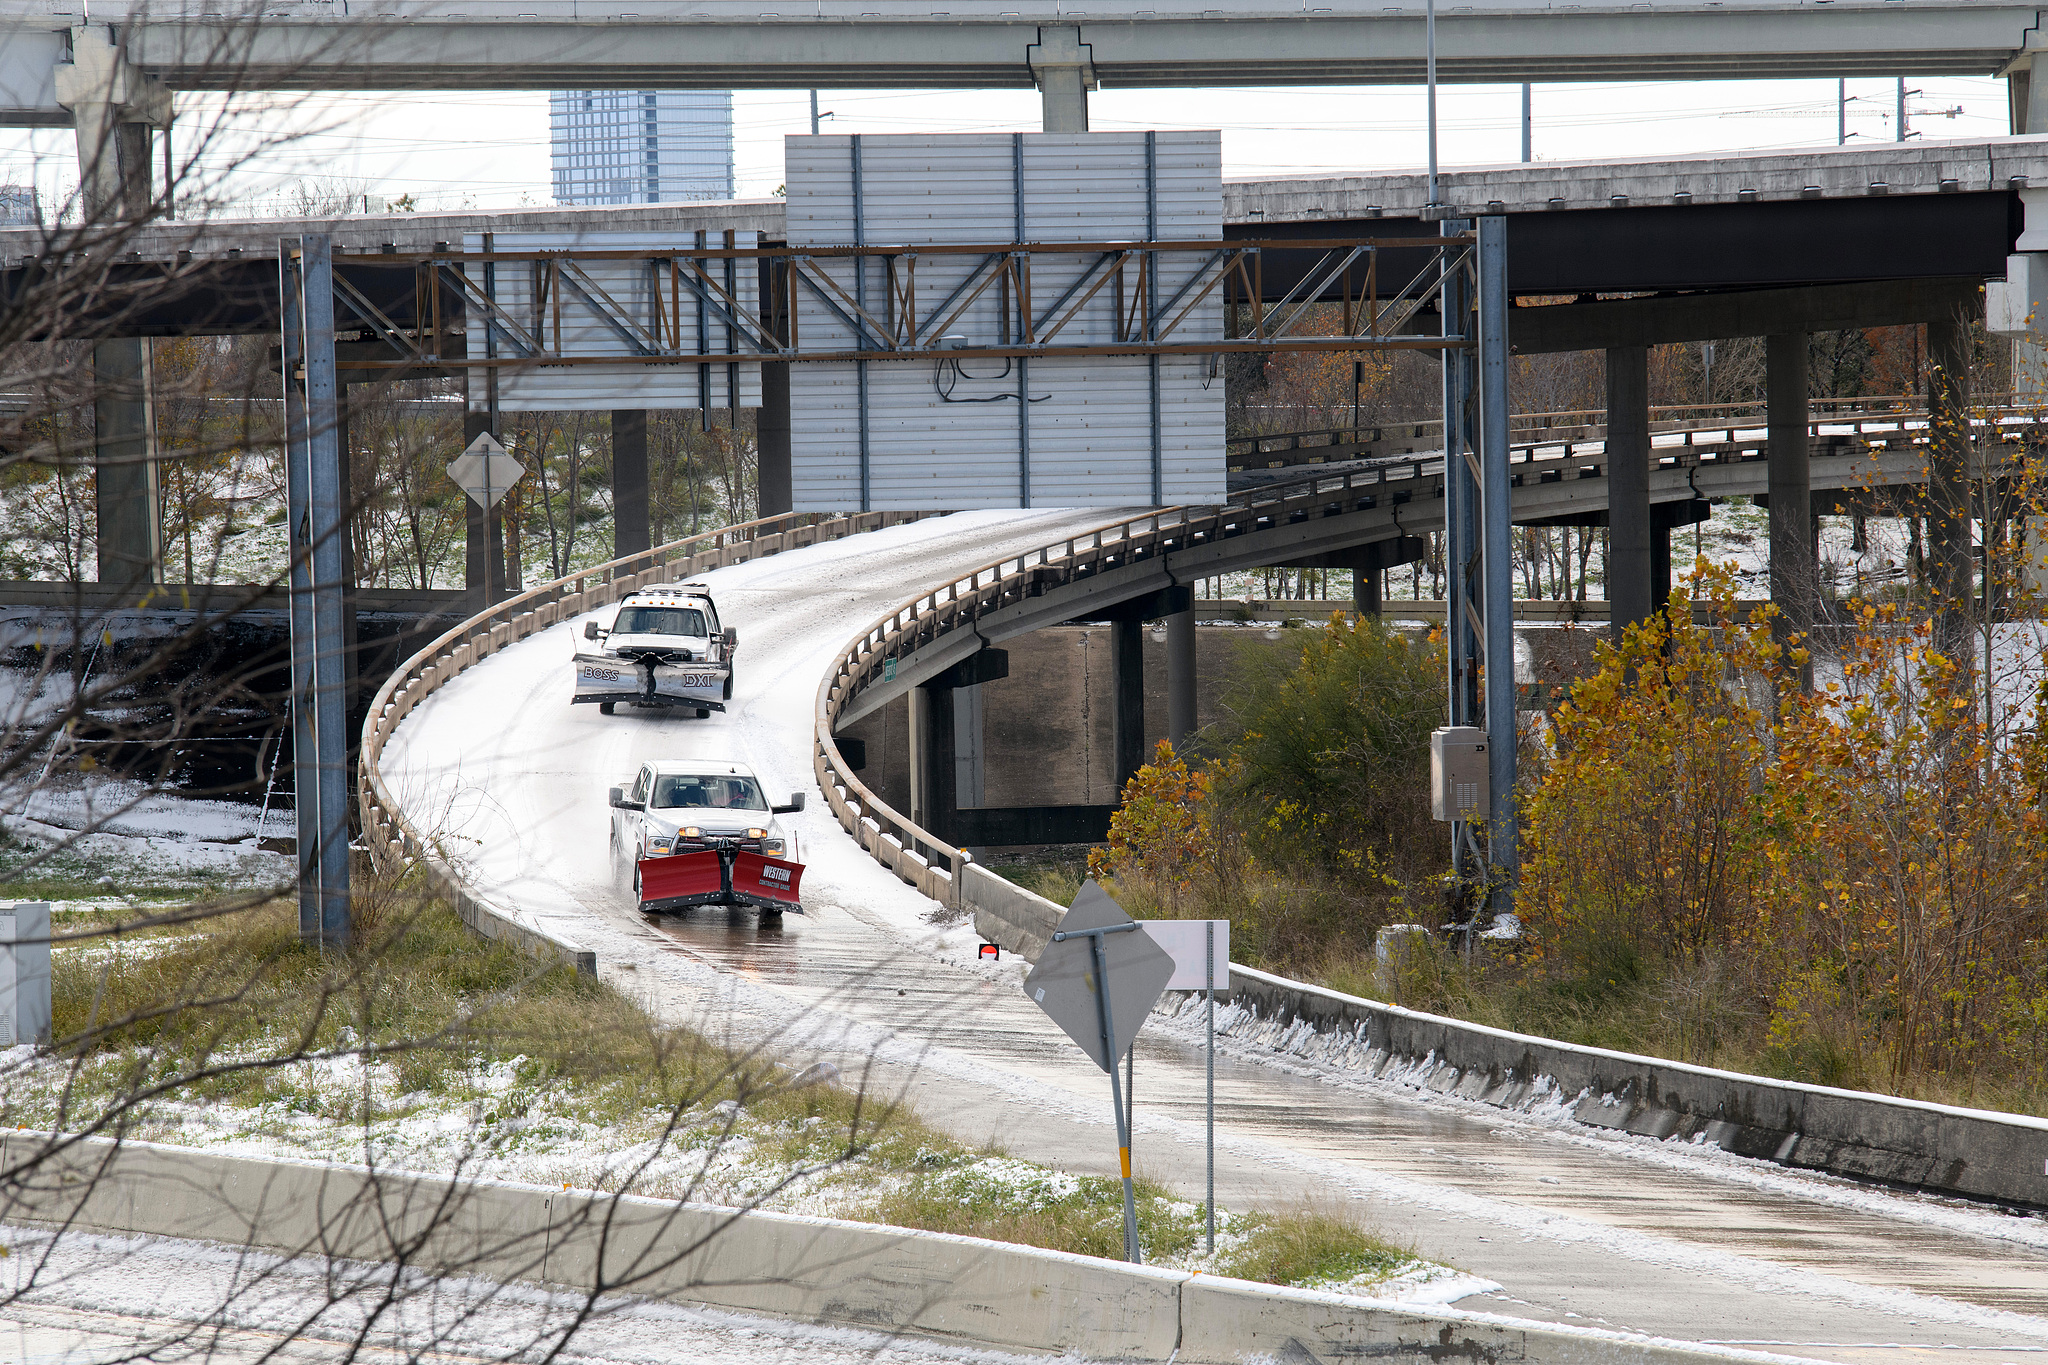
x: 757, y: 834
x: 658, y: 845
x: 691, y: 832
x: 775, y: 846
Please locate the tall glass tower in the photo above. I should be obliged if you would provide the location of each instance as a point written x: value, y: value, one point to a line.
x: 640, y: 146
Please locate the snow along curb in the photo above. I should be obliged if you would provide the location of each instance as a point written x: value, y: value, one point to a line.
x: 957, y: 1289
x: 1973, y: 1152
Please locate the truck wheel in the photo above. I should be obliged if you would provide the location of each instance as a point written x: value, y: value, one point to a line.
x: 728, y: 684
x: 606, y: 708
x: 703, y: 713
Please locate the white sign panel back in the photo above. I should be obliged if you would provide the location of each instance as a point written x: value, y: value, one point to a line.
x: 627, y: 307
x: 963, y: 431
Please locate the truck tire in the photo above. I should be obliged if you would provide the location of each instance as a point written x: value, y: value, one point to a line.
x: 606, y: 708
x: 728, y: 684
x: 703, y: 713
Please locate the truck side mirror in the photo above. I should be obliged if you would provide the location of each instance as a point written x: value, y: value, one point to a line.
x: 619, y: 801
x: 591, y: 631
x: 796, y: 803
x: 732, y: 639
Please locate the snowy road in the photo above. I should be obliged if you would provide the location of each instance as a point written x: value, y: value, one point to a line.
x: 90, y: 1300
x: 1575, y: 1225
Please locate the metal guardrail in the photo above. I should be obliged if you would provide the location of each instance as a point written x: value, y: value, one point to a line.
x: 394, y: 841
x: 1321, y: 445
x: 943, y: 872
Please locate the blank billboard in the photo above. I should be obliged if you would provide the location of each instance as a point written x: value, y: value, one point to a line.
x: 966, y: 431
x: 630, y: 307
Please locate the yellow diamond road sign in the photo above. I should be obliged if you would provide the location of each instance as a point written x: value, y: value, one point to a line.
x: 485, y: 471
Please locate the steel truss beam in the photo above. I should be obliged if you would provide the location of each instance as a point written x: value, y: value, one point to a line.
x: 1125, y: 284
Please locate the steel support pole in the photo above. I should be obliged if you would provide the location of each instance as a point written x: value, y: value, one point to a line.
x: 631, y: 532
x: 1794, y: 584
x: 1629, y: 532
x: 1181, y: 721
x: 1462, y: 565
x: 317, y: 509
x: 1132, y: 1253
x: 1497, y: 572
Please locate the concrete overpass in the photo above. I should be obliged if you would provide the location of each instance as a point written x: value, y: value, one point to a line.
x: 983, y: 44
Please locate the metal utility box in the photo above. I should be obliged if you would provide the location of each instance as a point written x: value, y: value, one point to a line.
x: 25, y: 974
x: 1458, y: 785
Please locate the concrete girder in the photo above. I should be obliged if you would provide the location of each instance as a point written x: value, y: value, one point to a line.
x: 1610, y: 323
x: 1245, y: 43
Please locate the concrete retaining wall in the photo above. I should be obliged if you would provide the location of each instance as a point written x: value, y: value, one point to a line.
x: 1972, y: 1152
x: 957, y: 1289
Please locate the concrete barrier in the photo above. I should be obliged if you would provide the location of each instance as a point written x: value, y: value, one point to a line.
x: 1972, y: 1152
x: 957, y: 1289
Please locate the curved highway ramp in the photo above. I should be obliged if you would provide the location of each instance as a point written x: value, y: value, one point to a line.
x: 1575, y: 1225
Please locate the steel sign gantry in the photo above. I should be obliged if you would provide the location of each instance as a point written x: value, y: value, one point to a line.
x: 1462, y: 276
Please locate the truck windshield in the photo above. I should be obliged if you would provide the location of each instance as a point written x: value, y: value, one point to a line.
x: 659, y: 621
x: 707, y: 793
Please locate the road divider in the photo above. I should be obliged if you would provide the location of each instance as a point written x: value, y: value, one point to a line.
x: 960, y: 1290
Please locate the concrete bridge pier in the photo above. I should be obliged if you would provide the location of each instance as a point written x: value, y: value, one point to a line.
x: 1631, y: 532
x: 114, y: 106
x: 1795, y: 577
x: 1180, y: 679
x: 631, y: 533
x: 771, y: 441
x: 1948, y: 482
x: 483, y: 535
x: 1064, y: 70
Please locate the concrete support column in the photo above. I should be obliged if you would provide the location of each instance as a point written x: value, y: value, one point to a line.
x: 1794, y: 586
x: 970, y: 757
x: 1127, y: 669
x: 1063, y: 67
x: 483, y: 535
x: 631, y: 534
x: 1180, y: 680
x: 1948, y: 482
x: 1365, y: 591
x: 1631, y: 564
x: 933, y: 783
x: 771, y: 441
x: 129, y: 530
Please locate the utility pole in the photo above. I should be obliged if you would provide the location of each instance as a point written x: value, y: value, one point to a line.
x: 1899, y: 130
x: 814, y: 113
x: 1429, y: 58
x: 1527, y: 141
x: 1841, y: 112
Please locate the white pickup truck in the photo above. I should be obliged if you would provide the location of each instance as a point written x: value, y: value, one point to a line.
x: 665, y: 649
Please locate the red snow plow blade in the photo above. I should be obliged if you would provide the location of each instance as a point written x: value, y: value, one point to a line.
x: 682, y: 881
x: 719, y: 876
x: 770, y: 883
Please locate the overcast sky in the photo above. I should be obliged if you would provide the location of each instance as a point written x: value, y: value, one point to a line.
x: 490, y: 150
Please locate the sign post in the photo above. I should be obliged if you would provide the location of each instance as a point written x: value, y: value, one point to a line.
x: 1098, y: 979
x: 1200, y: 949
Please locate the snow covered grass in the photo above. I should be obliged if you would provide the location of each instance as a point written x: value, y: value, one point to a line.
x: 426, y: 1049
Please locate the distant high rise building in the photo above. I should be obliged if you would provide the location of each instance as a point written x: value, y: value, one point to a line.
x: 640, y: 146
x: 18, y: 206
